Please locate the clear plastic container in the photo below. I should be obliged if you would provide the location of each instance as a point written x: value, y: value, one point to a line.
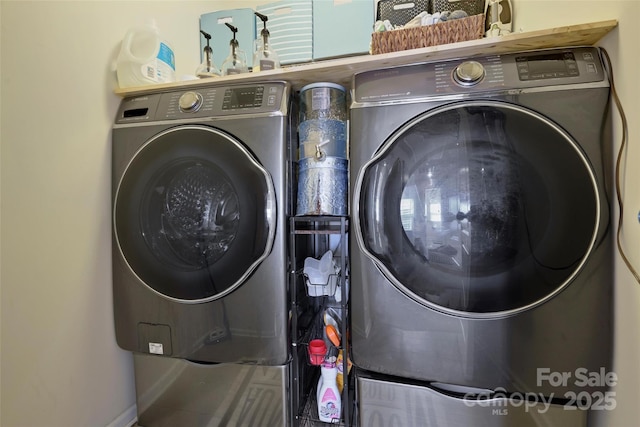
x: 322, y: 129
x: 264, y: 57
x: 323, y: 101
x: 322, y: 138
x: 235, y: 63
x: 145, y: 58
x: 322, y: 186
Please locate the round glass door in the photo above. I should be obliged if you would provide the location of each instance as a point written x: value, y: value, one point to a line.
x: 478, y: 209
x: 194, y: 213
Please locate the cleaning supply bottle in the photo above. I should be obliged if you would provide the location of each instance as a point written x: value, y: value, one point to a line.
x: 145, y: 58
x: 329, y: 401
x: 207, y: 68
x: 236, y: 62
x: 264, y: 57
x: 340, y: 366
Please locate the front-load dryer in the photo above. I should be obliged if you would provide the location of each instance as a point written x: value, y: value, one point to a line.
x: 200, y: 200
x: 481, y: 243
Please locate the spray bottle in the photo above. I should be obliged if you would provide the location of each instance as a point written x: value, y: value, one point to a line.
x: 207, y: 68
x: 236, y: 62
x: 264, y: 57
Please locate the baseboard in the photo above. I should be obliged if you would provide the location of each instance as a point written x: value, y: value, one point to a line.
x: 127, y: 419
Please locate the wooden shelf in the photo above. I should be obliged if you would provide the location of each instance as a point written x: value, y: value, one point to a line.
x: 341, y: 70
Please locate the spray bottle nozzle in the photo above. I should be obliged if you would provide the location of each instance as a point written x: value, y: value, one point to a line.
x: 234, y: 43
x: 207, y: 36
x: 264, y: 33
x: 264, y: 19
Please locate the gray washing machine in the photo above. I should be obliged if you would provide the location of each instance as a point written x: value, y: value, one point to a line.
x: 481, y: 259
x: 200, y: 201
x: 199, y: 224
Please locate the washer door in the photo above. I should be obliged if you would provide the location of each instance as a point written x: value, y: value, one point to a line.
x: 479, y: 209
x: 194, y: 213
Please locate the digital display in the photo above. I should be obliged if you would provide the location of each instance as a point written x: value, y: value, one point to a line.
x: 547, y: 66
x: 244, y: 97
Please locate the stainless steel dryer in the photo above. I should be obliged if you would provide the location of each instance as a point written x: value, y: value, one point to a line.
x: 199, y: 224
x: 481, y: 246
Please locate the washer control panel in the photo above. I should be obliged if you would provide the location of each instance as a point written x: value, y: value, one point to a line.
x: 548, y: 66
x: 203, y: 102
x: 243, y: 97
x: 517, y: 71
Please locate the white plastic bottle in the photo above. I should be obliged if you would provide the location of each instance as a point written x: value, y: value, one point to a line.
x: 145, y: 58
x: 329, y: 401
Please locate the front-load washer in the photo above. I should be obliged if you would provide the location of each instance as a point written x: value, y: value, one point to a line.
x: 481, y: 245
x: 200, y: 200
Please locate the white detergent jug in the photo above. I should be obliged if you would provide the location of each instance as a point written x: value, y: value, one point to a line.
x: 145, y: 58
x: 328, y: 395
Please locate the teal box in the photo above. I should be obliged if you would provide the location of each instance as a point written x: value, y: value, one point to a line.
x: 214, y: 24
x: 342, y: 27
x: 290, y: 27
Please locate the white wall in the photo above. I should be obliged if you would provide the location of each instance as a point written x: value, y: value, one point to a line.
x: 60, y: 362
x: 60, y: 365
x: 0, y: 215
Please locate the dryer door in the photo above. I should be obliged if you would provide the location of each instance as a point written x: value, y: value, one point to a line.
x: 194, y: 213
x: 479, y: 209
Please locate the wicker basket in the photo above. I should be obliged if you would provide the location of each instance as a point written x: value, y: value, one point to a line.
x: 456, y: 30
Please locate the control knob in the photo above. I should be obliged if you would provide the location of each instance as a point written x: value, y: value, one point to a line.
x: 190, y: 102
x: 468, y: 73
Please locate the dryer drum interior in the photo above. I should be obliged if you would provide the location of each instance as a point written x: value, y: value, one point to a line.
x: 487, y: 208
x: 193, y: 213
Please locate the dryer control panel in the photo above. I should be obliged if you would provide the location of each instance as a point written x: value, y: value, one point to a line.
x: 269, y: 98
x: 517, y: 71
